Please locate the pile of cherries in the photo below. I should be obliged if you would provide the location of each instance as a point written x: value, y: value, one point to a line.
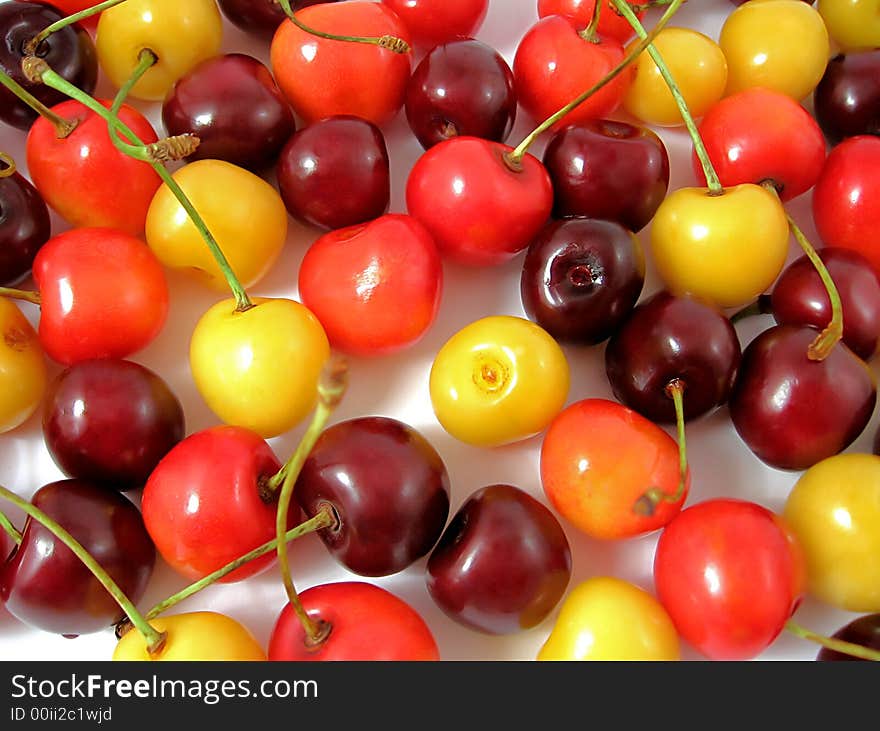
x: 374, y: 299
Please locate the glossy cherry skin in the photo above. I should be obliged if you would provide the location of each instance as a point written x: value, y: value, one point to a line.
x: 388, y: 487
x: 462, y: 87
x: 864, y: 631
x: 103, y: 294
x: 793, y: 412
x: 608, y: 169
x: 502, y: 564
x: 232, y: 104
x: 260, y: 17
x: 730, y: 573
x: 611, y: 23
x: 24, y: 227
x: 45, y: 585
x: 847, y: 100
x: 846, y: 198
x: 434, y: 22
x: 202, y: 504
x: 760, y: 135
x: 335, y: 173
x: 480, y: 211
x: 581, y: 277
x: 800, y: 298
x: 79, y: 176
x: 110, y: 421
x: 368, y: 623
x: 667, y: 339
x: 70, y: 52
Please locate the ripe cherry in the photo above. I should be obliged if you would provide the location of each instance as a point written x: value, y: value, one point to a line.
x: 611, y: 23
x: 864, y: 630
x: 847, y: 100
x: 260, y: 17
x: 24, y: 224
x: 434, y: 22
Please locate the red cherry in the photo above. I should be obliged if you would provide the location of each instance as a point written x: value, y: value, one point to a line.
x: 375, y: 287
x: 479, y: 209
x: 368, y: 623
x: 432, y: 22
x: 730, y: 574
x: 80, y: 175
x: 611, y: 23
x: 103, y: 294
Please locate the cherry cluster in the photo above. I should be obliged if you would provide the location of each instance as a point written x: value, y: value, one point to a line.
x: 175, y: 188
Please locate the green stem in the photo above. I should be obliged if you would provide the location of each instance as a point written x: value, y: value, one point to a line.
x: 514, y: 158
x: 154, y: 639
x: 323, y: 519
x: 712, y: 181
x: 62, y: 126
x: 21, y: 294
x: 31, y: 46
x: 8, y: 165
x: 10, y: 529
x: 832, y: 643
x: 392, y: 43
x: 590, y: 33
x: 331, y: 388
x: 653, y: 496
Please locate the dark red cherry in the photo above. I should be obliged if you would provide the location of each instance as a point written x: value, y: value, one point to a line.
x: 793, y: 412
x: 335, y: 173
x: 463, y: 87
x: 864, y: 631
x: 581, y: 277
x: 231, y: 102
x: 45, y: 585
x: 388, y: 486
x: 608, y: 169
x: 25, y: 226
x: 110, y: 421
x: 847, y: 100
x: 260, y: 17
x: 668, y: 339
x: 800, y: 298
x: 70, y: 52
x: 502, y: 564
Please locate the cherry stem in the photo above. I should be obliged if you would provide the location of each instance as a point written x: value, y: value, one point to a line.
x: 155, y: 640
x: 153, y: 154
x: 514, y: 158
x: 10, y: 530
x: 832, y: 643
x: 653, y: 496
x: 8, y: 165
x: 331, y: 387
x: 63, y: 127
x: 825, y: 341
x: 31, y: 46
x: 712, y: 181
x: 21, y: 294
x: 590, y: 33
x: 324, y: 518
x: 392, y: 43
x: 761, y: 306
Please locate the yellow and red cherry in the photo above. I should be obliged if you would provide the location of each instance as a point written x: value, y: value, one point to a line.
x: 847, y: 100
x: 23, y: 371
x: 259, y: 368
x: 368, y: 623
x: 24, y: 223
x: 598, y: 459
x: 852, y: 24
x: 611, y: 23
x: 375, y: 287
x: 434, y: 22
x: 243, y: 212
x: 78, y: 175
x: 498, y: 380
x: 180, y: 36
x: 323, y: 77
x: 762, y: 136
x: 781, y: 45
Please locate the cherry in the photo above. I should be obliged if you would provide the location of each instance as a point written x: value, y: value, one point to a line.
x: 864, y: 630
x: 434, y: 22
x: 673, y: 340
x: 335, y: 172
x: 502, y: 564
x: 462, y: 87
x: 800, y: 298
x: 70, y: 52
x: 260, y: 17
x: 611, y: 23
x: 847, y: 100
x: 388, y: 487
x: 581, y: 278
x: 110, y: 421
x: 608, y: 169
x: 792, y: 411
x: 44, y: 584
x: 24, y: 224
x: 232, y: 104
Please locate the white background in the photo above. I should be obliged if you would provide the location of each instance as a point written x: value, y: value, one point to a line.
x: 396, y: 386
